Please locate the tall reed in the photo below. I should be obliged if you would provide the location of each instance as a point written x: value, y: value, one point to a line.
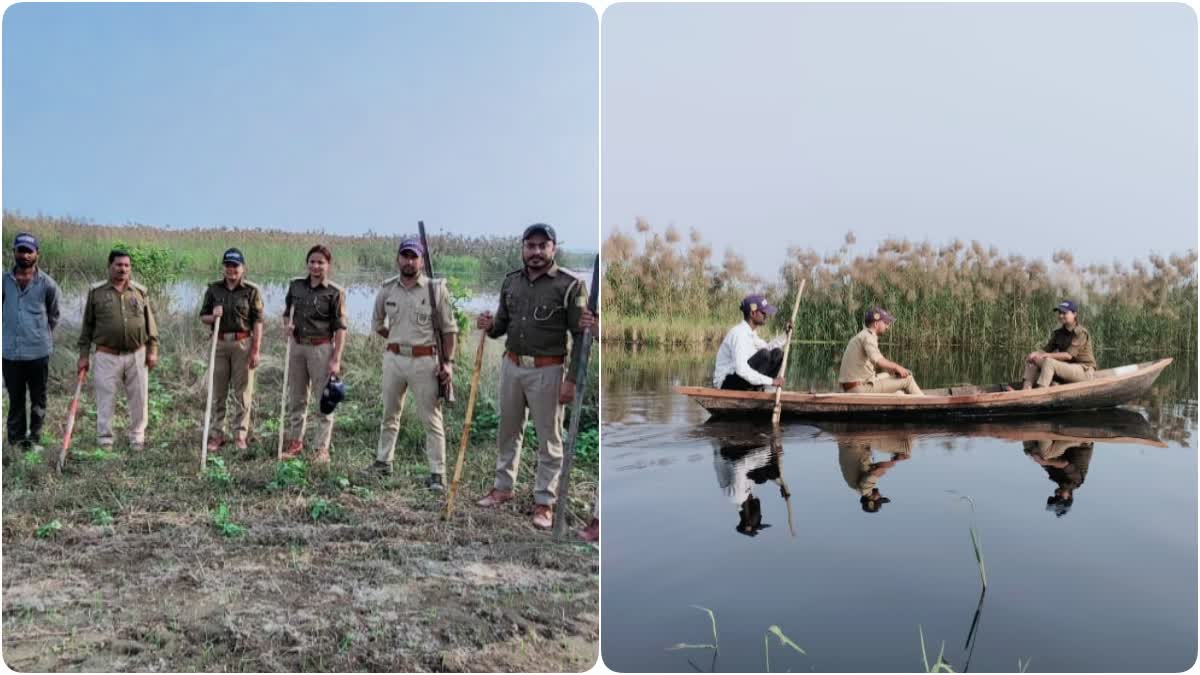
x: 958, y: 293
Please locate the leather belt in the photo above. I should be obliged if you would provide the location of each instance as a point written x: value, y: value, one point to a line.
x: 534, y: 361
x: 313, y: 341
x: 114, y: 352
x: 411, y: 350
x: 847, y: 386
x: 237, y: 336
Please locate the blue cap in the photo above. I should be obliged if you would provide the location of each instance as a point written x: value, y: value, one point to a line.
x: 758, y: 302
x: 25, y: 240
x: 1066, y: 306
x: 233, y: 256
x: 877, y: 314
x: 413, y: 245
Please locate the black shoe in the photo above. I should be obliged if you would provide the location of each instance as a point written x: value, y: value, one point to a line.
x: 381, y: 468
x: 434, y: 482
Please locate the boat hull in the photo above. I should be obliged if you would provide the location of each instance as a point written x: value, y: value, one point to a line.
x: 1109, y: 388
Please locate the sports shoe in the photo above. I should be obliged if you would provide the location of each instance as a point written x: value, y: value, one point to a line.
x: 435, y: 483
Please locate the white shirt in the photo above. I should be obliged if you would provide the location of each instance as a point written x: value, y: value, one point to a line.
x: 734, y: 475
x: 739, y: 345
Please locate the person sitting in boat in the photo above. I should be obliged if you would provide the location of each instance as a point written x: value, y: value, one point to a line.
x: 745, y: 361
x: 864, y: 370
x: 1066, y: 463
x: 1067, y: 357
x: 862, y: 474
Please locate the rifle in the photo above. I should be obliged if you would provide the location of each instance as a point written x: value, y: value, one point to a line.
x: 445, y: 391
x: 585, y: 344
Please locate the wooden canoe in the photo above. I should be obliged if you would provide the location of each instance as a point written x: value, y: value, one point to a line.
x: 1110, y: 387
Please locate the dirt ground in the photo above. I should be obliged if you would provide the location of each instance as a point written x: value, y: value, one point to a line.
x: 384, y: 585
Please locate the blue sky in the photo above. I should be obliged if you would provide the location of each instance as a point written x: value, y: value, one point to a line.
x: 1033, y: 127
x: 476, y: 118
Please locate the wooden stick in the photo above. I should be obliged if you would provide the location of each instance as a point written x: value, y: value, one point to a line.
x: 212, y: 362
x: 786, y: 348
x: 287, y: 358
x: 585, y: 351
x: 466, y: 431
x: 66, y: 443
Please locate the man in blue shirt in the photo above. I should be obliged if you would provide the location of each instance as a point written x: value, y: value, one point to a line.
x: 30, y: 315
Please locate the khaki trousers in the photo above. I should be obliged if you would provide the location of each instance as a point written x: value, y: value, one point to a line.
x: 308, y: 369
x: 886, y: 383
x: 232, y: 374
x: 524, y: 391
x: 416, y: 374
x: 1050, y: 368
x: 130, y: 373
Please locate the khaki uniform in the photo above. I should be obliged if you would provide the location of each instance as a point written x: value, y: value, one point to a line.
x: 242, y: 310
x: 406, y: 315
x: 122, y: 325
x: 1082, y: 367
x: 858, y: 366
x: 536, y: 317
x: 319, y: 313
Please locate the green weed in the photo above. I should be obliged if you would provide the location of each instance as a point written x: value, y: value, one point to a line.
x: 224, y: 525
x: 290, y: 474
x: 323, y: 509
x: 217, y: 473
x: 101, y: 516
x: 48, y: 530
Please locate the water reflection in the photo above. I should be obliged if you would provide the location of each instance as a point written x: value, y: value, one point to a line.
x: 743, y: 463
x: 746, y: 458
x: 1066, y: 464
x: 662, y: 457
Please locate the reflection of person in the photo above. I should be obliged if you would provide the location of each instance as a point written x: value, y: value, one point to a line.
x: 1066, y: 464
x: 862, y: 474
x: 1067, y: 356
x: 738, y: 470
x: 745, y: 361
x: 864, y: 370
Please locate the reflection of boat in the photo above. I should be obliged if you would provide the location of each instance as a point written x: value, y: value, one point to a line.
x: 1110, y: 387
x: 1118, y: 425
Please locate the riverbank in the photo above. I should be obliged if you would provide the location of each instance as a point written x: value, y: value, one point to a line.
x: 74, y: 248
x: 134, y: 562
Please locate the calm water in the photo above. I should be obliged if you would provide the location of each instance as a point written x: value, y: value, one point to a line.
x: 1108, y: 585
x: 186, y: 295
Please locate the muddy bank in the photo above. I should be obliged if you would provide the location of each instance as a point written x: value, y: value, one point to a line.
x: 389, y: 589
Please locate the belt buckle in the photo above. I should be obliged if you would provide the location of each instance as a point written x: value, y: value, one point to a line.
x: 404, y: 350
x: 527, y: 361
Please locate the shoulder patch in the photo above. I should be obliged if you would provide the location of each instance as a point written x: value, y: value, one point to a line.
x: 139, y: 287
x: 295, y: 279
x: 513, y: 273
x: 391, y: 280
x: 98, y: 284
x: 571, y: 274
x: 336, y: 287
x: 251, y: 284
